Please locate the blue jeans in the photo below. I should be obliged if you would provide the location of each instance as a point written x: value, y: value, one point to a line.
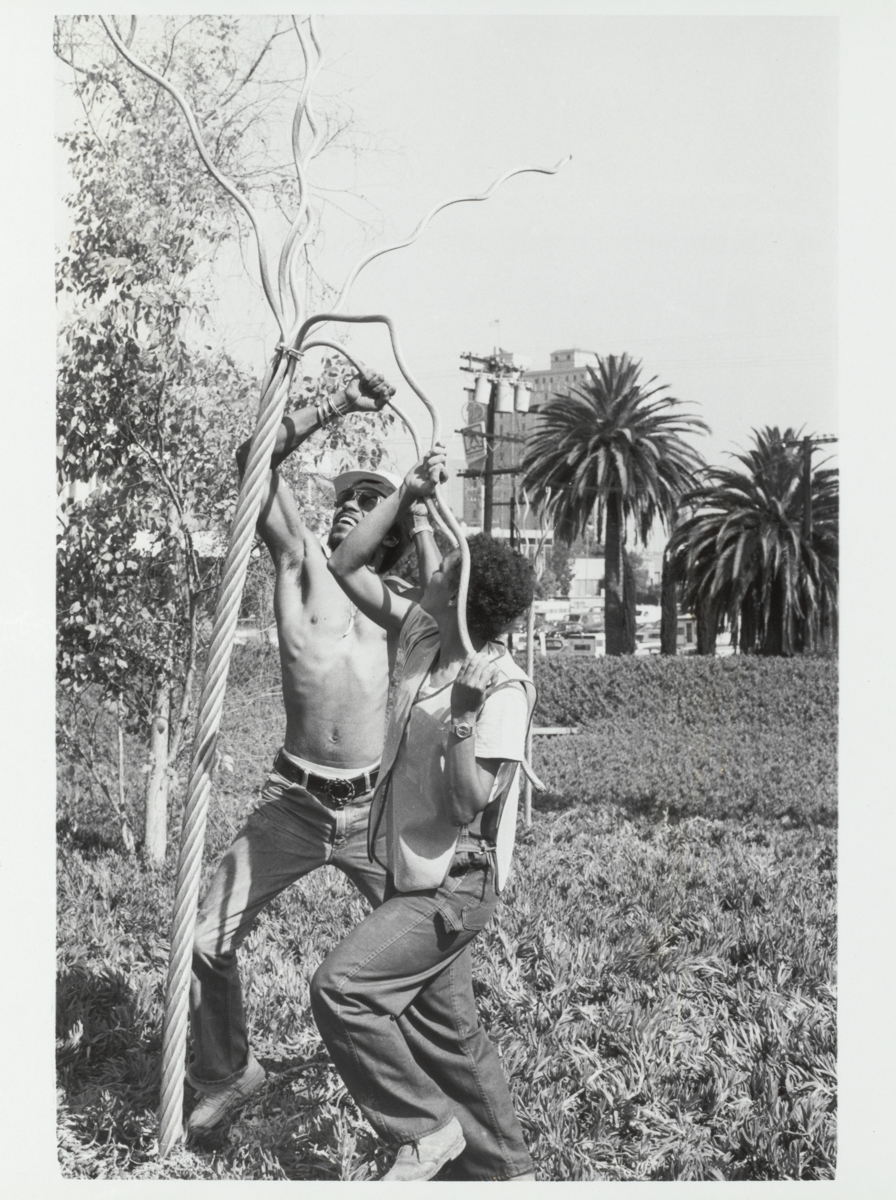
x: 395, y: 1007
x: 290, y: 833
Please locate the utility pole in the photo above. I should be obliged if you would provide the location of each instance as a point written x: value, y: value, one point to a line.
x: 499, y: 388
x: 807, y: 445
x: 488, y: 482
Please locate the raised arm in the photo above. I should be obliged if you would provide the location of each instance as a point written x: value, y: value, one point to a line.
x: 365, y: 393
x: 280, y: 524
x: 428, y: 555
x: 349, y: 561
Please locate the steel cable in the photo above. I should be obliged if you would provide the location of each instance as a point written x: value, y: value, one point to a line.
x: 275, y: 390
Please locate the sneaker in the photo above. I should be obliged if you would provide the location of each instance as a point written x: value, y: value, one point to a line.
x: 426, y: 1157
x: 221, y: 1102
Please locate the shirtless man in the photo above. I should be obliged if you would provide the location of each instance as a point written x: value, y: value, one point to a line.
x: 335, y: 666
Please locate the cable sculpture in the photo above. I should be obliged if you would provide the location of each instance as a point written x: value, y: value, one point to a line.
x: 285, y: 302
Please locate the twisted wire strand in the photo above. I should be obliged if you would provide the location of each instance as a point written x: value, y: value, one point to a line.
x: 205, y: 740
x: 209, y: 165
x: 441, y: 505
x: 274, y: 393
x: 402, y: 416
x: 439, y: 508
x: 297, y: 237
x: 355, y: 272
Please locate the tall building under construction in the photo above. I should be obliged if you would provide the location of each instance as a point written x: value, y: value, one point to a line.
x: 514, y: 396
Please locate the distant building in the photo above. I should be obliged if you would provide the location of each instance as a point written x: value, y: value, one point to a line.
x: 587, y: 577
x: 510, y: 515
x: 568, y: 370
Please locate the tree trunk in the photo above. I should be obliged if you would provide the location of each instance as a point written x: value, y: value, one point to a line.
x: 669, y: 611
x: 127, y: 835
x: 747, y: 630
x: 530, y: 671
x: 777, y: 640
x: 614, y: 612
x: 629, y: 596
x: 707, y: 613
x: 156, y: 825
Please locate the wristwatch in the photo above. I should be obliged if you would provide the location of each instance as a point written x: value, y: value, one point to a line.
x: 461, y: 729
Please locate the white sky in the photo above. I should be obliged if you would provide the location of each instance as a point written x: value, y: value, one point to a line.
x: 694, y: 228
x: 747, y: 333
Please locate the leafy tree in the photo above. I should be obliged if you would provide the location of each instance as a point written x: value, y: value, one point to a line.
x: 613, y: 448
x: 743, y: 553
x: 148, y: 415
x: 556, y: 579
x: 645, y: 591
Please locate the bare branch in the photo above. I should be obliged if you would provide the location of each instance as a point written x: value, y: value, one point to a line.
x: 225, y: 99
x: 210, y: 166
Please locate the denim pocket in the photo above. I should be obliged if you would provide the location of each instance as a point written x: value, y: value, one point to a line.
x: 472, y: 899
x: 476, y: 915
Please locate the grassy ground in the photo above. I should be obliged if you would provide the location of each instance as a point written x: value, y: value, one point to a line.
x: 659, y: 983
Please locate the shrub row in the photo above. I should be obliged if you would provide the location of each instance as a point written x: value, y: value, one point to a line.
x: 719, y: 771
x: 688, y: 690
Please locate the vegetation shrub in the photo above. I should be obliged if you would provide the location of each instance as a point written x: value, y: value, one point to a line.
x: 659, y: 982
x: 678, y: 771
x: 662, y: 998
x: 688, y: 690
x: 717, y: 738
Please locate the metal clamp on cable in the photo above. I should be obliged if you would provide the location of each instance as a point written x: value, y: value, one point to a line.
x: 290, y: 351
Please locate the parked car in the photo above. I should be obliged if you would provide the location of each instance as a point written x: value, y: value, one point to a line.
x: 545, y: 643
x: 594, y: 644
x: 647, y: 646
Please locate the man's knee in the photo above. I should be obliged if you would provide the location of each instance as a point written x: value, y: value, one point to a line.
x: 330, y: 988
x: 209, y: 941
x: 324, y: 987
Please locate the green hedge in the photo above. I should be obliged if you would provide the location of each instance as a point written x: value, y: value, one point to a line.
x: 717, y: 738
x: 687, y: 690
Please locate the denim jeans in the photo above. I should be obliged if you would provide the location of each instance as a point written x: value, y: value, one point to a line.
x: 290, y: 833
x: 395, y: 1007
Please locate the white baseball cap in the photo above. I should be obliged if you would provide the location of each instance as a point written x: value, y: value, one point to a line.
x: 350, y: 479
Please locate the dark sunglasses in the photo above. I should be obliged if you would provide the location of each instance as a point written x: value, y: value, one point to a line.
x: 367, y: 501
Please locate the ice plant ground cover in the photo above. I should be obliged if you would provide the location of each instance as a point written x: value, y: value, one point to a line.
x: 660, y: 982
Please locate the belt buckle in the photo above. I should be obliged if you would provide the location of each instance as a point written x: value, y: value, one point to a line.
x: 340, y: 797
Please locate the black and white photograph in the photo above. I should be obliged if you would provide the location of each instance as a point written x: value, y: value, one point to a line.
x: 449, y: 758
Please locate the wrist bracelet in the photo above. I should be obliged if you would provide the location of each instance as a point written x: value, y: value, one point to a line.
x: 323, y: 416
x: 338, y: 414
x: 421, y: 525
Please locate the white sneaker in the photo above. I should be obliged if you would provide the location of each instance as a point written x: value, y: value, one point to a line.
x: 426, y: 1157
x: 217, y: 1103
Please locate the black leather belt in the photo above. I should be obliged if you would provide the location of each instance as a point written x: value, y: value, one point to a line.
x: 335, y: 793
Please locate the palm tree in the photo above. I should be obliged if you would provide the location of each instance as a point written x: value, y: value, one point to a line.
x: 612, y: 448
x: 743, y: 552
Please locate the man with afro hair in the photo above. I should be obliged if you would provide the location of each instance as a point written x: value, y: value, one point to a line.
x: 394, y: 1001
